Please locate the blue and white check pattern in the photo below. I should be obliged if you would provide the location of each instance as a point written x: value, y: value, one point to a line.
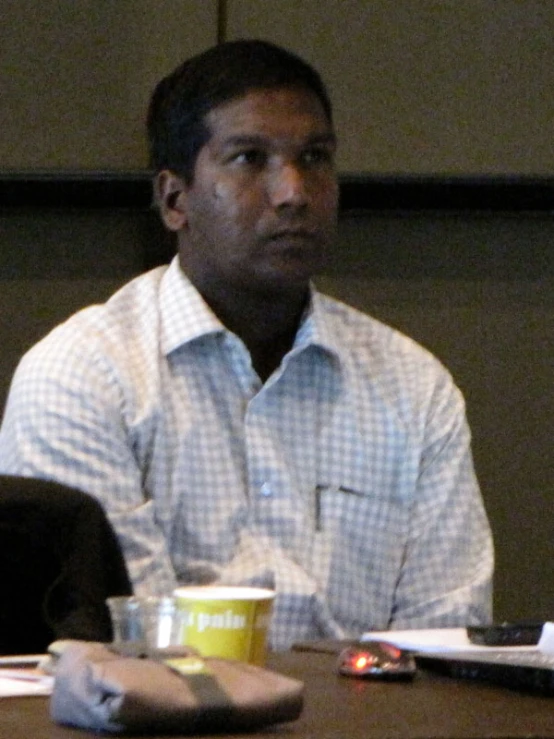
x: 345, y: 482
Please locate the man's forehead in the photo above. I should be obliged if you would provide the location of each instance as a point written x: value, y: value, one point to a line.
x: 262, y: 111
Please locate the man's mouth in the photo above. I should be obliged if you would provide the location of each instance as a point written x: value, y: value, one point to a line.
x: 293, y: 235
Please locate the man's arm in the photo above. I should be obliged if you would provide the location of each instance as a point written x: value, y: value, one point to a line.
x: 65, y: 420
x: 446, y: 578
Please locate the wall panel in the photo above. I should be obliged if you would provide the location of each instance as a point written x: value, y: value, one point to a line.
x: 76, y: 76
x: 426, y: 86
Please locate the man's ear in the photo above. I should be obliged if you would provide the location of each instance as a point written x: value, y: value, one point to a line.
x: 170, y: 197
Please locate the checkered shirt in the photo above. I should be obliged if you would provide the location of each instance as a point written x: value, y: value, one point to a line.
x: 345, y: 482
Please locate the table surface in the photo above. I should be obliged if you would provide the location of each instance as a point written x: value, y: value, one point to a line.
x: 431, y: 707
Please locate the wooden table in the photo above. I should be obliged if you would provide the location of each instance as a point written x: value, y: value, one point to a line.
x: 430, y: 707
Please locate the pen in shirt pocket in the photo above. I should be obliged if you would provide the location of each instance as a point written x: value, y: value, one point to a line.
x: 319, y: 490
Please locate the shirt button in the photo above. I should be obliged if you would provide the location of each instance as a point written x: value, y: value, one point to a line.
x: 266, y: 490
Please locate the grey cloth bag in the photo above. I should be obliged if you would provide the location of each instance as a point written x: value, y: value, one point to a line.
x: 97, y: 689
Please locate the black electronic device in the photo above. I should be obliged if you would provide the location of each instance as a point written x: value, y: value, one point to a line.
x: 376, y: 660
x: 506, y: 634
x: 529, y: 670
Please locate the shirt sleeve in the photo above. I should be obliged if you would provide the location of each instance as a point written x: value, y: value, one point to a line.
x: 446, y: 578
x: 65, y: 421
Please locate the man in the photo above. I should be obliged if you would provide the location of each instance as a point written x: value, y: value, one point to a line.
x: 239, y: 426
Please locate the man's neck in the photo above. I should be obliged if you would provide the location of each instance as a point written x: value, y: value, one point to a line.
x: 267, y: 324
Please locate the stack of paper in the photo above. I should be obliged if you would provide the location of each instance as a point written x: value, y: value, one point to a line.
x: 440, y: 641
x: 22, y: 675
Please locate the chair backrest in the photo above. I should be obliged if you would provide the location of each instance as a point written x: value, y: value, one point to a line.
x: 59, y: 561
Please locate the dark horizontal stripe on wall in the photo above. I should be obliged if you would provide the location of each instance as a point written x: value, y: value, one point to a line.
x: 79, y: 190
x: 357, y: 194
x: 458, y: 194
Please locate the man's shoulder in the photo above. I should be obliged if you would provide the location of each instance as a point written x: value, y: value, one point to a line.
x: 381, y: 356
x: 360, y: 331
x: 130, y: 305
x: 136, y: 298
x: 129, y: 316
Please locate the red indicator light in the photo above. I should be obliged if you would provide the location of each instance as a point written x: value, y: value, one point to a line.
x: 361, y: 662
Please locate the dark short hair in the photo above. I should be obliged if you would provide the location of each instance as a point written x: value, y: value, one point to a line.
x: 180, y: 102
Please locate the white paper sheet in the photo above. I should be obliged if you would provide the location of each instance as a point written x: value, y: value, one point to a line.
x: 455, y: 640
x: 21, y: 675
x: 423, y: 639
x: 10, y: 687
x: 546, y: 642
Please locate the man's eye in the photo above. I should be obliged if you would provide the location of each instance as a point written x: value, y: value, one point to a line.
x: 316, y: 156
x: 252, y: 157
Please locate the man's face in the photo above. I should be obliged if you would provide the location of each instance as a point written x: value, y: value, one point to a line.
x: 261, y: 210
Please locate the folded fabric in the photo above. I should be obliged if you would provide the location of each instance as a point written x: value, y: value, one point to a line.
x: 96, y: 688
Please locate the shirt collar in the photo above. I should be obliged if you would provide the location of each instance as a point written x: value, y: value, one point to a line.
x: 316, y: 328
x: 185, y: 316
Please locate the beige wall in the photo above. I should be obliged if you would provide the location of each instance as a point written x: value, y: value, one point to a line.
x: 76, y: 76
x: 420, y: 86
x: 426, y: 86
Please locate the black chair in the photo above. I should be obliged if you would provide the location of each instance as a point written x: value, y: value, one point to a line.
x: 59, y: 561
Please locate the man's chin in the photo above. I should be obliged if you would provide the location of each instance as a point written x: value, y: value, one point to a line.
x: 293, y: 265
x: 288, y: 276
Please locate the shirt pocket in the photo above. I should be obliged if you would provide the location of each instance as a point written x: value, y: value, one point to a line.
x: 359, y: 544
x: 360, y: 517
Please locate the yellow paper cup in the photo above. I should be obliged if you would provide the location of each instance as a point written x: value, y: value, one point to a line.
x: 227, y: 621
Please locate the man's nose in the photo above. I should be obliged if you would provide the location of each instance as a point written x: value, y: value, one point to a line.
x: 287, y: 186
